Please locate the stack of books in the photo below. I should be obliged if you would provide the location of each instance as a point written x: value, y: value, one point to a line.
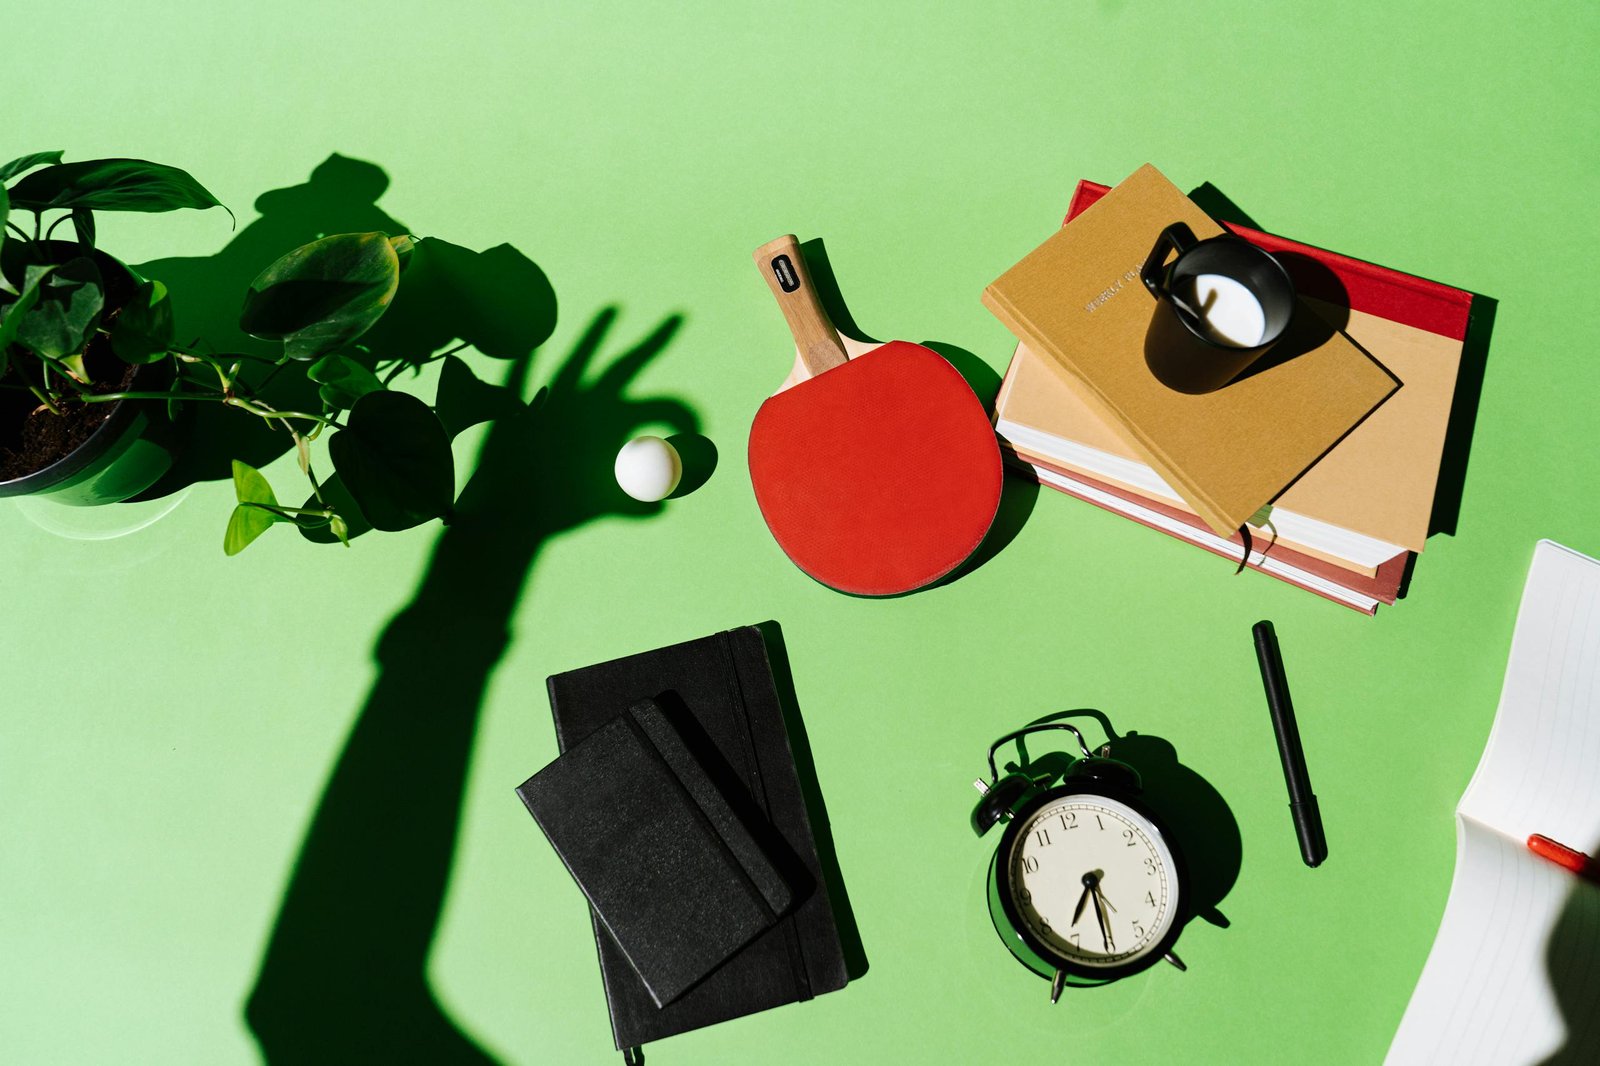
x: 1347, y: 522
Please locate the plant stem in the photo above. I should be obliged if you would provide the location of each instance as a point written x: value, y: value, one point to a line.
x: 54, y: 224
x: 316, y: 489
x: 110, y: 397
x: 289, y: 512
x: 18, y: 230
x: 194, y: 355
x: 46, y: 400
x: 38, y: 390
x: 269, y: 412
x: 52, y: 363
x: 232, y: 401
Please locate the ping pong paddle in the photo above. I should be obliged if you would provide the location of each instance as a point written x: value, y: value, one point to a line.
x: 876, y: 468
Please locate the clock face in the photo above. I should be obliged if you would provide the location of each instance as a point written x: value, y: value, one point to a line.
x: 1092, y: 880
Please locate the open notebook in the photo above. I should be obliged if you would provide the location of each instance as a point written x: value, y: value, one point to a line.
x: 1514, y: 974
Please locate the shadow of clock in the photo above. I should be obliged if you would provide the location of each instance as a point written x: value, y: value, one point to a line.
x: 1192, y: 809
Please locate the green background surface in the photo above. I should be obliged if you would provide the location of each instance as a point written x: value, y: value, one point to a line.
x: 173, y: 716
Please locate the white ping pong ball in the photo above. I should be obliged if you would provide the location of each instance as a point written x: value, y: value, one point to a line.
x: 648, y: 469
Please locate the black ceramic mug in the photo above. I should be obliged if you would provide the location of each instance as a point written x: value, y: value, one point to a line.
x: 1220, y: 306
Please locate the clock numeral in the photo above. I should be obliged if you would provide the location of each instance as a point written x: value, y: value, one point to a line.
x: 1030, y: 864
x: 1127, y: 834
x: 1046, y: 927
x: 1074, y: 938
x: 1042, y: 836
x: 1098, y: 822
x: 1025, y: 896
x: 1138, y: 931
x: 1069, y: 820
x: 1150, y: 898
x: 1149, y: 866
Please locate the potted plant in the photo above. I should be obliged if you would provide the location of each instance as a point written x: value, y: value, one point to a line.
x: 74, y: 340
x: 80, y: 333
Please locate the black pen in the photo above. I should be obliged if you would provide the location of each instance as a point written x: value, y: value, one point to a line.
x: 1302, y: 801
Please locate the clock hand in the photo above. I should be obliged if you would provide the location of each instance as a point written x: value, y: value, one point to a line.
x: 1083, y: 899
x: 1102, y: 893
x: 1100, y: 916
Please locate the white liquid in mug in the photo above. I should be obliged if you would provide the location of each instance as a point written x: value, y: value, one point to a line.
x: 1228, y: 312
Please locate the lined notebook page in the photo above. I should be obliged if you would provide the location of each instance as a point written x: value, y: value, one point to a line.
x: 1514, y: 974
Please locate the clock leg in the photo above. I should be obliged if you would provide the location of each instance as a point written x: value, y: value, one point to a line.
x: 1057, y: 984
x: 1172, y: 957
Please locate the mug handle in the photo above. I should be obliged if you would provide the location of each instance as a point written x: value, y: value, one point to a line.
x: 1179, y: 238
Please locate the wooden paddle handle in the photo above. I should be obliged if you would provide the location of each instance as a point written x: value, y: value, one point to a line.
x: 784, y: 268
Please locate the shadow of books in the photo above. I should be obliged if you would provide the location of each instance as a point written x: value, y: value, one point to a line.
x: 1463, y: 417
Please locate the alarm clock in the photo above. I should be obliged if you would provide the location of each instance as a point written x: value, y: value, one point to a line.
x: 1086, y: 885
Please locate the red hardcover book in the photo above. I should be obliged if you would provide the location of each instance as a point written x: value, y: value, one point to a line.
x: 1368, y: 499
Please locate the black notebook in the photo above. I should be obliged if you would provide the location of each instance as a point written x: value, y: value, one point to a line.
x: 671, y: 871
x: 720, y: 694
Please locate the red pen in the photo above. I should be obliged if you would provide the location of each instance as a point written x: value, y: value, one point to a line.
x: 1565, y: 857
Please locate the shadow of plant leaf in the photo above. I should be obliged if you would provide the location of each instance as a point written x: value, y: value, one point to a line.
x: 497, y: 301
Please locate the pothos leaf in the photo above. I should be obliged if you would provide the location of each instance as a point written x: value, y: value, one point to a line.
x: 143, y: 329
x: 250, y: 485
x: 11, y: 322
x: 394, y: 457
x: 323, y: 294
x: 71, y: 298
x: 112, y: 185
x: 245, y: 524
x: 28, y: 162
x: 343, y: 380
x: 250, y: 518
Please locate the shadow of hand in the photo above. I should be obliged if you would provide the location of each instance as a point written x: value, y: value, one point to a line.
x: 548, y: 469
x: 344, y: 977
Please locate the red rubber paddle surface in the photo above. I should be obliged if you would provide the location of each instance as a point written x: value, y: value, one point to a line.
x: 879, y: 476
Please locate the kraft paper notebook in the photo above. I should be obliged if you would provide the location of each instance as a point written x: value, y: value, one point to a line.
x: 1076, y: 300
x: 1514, y: 973
x: 725, y: 703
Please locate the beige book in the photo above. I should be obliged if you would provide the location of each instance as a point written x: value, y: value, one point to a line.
x: 1379, y: 481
